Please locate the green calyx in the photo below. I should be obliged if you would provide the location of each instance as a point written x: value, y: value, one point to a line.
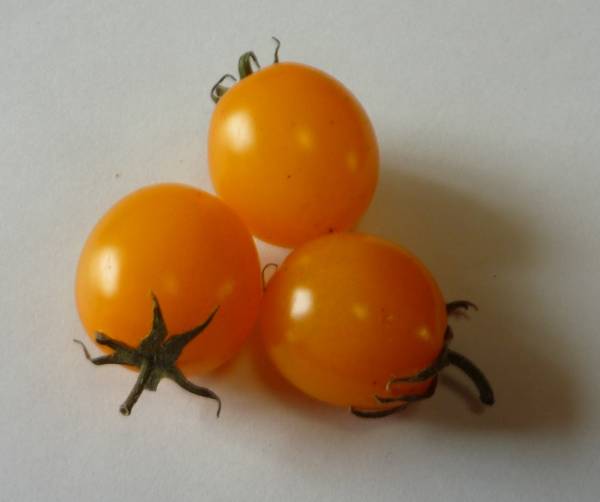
x: 447, y: 357
x: 245, y: 69
x: 155, y: 356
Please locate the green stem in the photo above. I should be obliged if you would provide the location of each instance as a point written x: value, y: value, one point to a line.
x: 138, y: 388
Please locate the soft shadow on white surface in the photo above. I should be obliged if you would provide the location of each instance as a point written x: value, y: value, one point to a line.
x: 470, y: 247
x: 488, y: 116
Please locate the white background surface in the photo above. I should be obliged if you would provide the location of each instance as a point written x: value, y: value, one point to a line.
x: 488, y: 116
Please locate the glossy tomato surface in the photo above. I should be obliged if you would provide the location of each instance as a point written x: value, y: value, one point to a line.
x: 346, y: 313
x: 294, y: 153
x: 187, y: 247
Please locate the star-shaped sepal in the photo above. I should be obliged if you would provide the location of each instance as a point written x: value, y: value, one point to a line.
x: 155, y: 356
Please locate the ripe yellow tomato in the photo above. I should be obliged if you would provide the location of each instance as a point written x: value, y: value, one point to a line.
x: 347, y: 313
x: 187, y: 248
x: 294, y: 153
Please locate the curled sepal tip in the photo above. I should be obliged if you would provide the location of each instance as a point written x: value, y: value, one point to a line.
x: 409, y: 398
x: 486, y: 393
x: 245, y: 64
x: 219, y: 89
x: 264, y: 274
x: 277, y: 46
x: 460, y: 308
x: 364, y: 413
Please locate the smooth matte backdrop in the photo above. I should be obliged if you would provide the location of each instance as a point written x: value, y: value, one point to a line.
x: 488, y: 117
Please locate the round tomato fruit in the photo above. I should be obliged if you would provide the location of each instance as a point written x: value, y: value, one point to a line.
x: 293, y: 152
x: 169, y: 275
x: 357, y: 321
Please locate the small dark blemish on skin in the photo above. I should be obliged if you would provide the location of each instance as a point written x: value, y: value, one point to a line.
x: 117, y: 175
x: 289, y: 176
x: 331, y: 230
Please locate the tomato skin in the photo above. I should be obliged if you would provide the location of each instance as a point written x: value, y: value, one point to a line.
x: 294, y: 153
x: 347, y: 312
x: 187, y: 247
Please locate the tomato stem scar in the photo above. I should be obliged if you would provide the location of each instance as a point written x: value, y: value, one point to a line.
x: 155, y: 356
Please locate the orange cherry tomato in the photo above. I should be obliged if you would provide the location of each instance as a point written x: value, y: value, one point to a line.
x: 190, y: 250
x: 357, y: 321
x: 294, y: 153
